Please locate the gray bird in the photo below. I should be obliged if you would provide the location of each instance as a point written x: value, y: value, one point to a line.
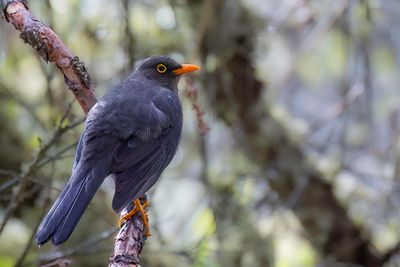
x: 132, y: 133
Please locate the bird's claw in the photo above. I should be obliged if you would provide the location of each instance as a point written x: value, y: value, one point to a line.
x: 138, y: 207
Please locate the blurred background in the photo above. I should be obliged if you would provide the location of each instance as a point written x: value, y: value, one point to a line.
x: 300, y: 167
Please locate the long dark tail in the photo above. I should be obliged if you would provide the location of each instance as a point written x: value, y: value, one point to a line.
x: 68, y: 208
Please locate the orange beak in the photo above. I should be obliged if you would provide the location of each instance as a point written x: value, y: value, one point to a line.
x: 185, y: 68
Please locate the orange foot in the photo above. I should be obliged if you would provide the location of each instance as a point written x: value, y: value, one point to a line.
x: 138, y: 208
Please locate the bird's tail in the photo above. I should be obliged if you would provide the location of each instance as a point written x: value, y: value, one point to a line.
x: 68, y: 208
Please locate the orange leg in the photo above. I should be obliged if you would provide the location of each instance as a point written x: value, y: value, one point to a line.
x: 138, y: 208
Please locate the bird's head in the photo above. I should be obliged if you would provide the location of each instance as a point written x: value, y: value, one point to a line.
x: 164, y: 70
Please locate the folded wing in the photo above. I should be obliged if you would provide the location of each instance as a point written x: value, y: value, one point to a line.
x: 139, y: 161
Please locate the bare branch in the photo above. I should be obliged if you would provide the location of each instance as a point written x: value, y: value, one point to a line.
x: 129, y: 242
x: 22, y: 178
x: 50, y: 48
x: 191, y: 93
x: 78, y: 249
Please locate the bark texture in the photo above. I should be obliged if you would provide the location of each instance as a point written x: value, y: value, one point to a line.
x: 129, y: 241
x: 51, y: 48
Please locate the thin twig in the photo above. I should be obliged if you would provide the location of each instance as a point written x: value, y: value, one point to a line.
x: 128, y: 37
x: 21, y: 259
x: 17, y: 196
x: 191, y: 93
x: 80, y: 247
x: 58, y: 155
x: 19, y: 100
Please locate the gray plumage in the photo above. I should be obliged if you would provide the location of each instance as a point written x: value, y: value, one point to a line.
x: 132, y: 133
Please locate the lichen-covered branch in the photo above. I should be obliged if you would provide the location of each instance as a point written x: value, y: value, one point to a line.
x: 131, y: 238
x: 50, y: 48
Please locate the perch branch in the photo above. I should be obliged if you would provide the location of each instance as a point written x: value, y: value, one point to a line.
x: 129, y: 241
x: 131, y: 237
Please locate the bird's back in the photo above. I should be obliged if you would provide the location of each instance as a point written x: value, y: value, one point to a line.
x: 132, y: 133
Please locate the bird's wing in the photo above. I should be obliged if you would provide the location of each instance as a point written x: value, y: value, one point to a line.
x: 78, y: 152
x: 136, y: 180
x: 139, y: 161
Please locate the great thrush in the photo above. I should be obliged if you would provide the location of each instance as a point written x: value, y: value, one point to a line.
x: 132, y: 133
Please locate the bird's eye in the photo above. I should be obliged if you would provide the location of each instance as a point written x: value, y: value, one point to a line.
x: 161, y: 68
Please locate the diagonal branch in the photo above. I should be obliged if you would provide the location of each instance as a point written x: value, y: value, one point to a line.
x: 50, y: 48
x: 77, y: 78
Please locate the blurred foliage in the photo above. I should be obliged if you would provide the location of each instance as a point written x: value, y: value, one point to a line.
x: 330, y: 74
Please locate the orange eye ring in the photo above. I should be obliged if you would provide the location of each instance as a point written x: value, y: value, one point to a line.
x: 161, y: 68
